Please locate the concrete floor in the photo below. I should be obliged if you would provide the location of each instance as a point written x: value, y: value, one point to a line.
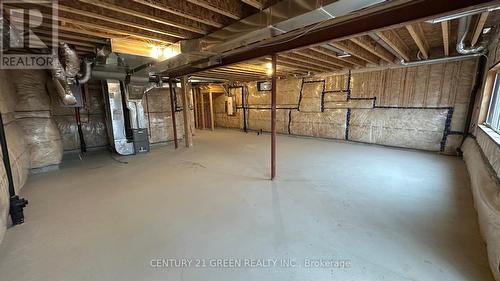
x: 379, y: 213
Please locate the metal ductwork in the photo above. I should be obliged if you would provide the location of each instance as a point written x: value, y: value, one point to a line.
x: 123, y: 90
x: 67, y: 76
x: 463, y: 27
x: 281, y: 18
x: 438, y: 60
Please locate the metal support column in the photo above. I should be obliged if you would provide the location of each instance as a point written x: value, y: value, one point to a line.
x: 171, y: 84
x: 273, y: 120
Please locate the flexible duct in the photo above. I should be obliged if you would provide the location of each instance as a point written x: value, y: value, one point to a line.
x: 86, y: 76
x: 60, y: 81
x: 463, y: 27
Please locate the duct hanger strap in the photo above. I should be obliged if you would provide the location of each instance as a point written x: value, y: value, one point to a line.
x: 17, y: 204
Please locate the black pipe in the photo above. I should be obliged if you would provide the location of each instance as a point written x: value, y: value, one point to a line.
x: 481, y: 69
x: 83, y: 145
x: 16, y: 204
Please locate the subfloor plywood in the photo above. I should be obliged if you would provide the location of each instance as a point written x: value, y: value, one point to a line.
x: 392, y: 214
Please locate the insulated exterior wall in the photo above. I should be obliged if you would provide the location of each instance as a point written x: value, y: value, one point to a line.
x: 19, y: 152
x: 34, y: 118
x: 422, y: 107
x: 156, y: 104
x: 91, y: 115
x: 485, y: 189
x: 411, y: 128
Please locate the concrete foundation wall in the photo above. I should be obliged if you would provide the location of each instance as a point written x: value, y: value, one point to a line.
x: 423, y: 107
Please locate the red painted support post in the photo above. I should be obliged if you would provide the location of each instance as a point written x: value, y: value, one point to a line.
x: 172, y: 108
x: 273, y: 120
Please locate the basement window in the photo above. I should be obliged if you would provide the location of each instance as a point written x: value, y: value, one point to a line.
x: 493, y: 119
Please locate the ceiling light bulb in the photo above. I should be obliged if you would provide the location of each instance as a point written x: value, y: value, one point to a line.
x: 155, y: 52
x: 269, y: 71
x: 168, y: 52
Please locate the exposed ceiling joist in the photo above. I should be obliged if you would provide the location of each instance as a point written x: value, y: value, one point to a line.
x: 98, y: 24
x: 62, y: 39
x: 258, y: 4
x: 479, y: 27
x: 373, y: 47
x: 114, y: 17
x: 446, y: 37
x: 301, y: 62
x: 355, y: 50
x: 351, y: 60
x: 137, y: 10
x: 231, y: 9
x: 395, y: 42
x: 103, y: 25
x: 294, y: 65
x: 314, y: 55
x: 71, y: 36
x: 418, y: 36
x: 187, y: 10
x: 307, y: 60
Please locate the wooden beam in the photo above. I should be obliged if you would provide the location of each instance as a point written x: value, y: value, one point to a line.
x: 355, y: 50
x: 69, y: 41
x: 231, y: 9
x: 66, y: 17
x: 226, y: 76
x: 235, y: 73
x: 187, y: 10
x: 94, y: 23
x: 145, y: 12
x: 479, y: 27
x: 446, y: 37
x: 254, y: 3
x: 352, y: 60
x: 418, y: 36
x: 307, y: 61
x: 211, y: 103
x: 315, y: 55
x: 367, y: 43
x: 298, y: 65
x: 188, y: 137
x: 396, y: 43
x: 91, y: 11
x: 202, y: 102
x: 71, y: 36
